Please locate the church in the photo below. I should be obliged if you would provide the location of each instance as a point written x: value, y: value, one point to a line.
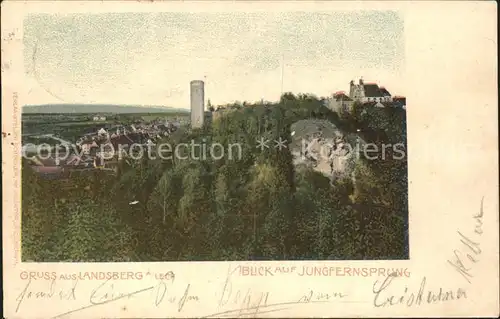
x: 366, y: 93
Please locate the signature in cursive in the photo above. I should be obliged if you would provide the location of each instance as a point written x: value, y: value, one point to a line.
x: 118, y: 297
x: 246, y: 302
x: 383, y: 297
x: 187, y: 296
x: 106, y: 293
x: 462, y: 261
x: 52, y: 292
x: 321, y: 296
x: 251, y: 302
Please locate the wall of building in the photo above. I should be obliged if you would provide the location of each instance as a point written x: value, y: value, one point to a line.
x: 357, y: 92
x: 339, y: 106
x: 377, y: 99
x: 197, y: 103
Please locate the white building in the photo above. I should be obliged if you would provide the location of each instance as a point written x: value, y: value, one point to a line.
x: 368, y: 92
x: 102, y: 132
x: 87, y: 146
x: 340, y: 102
x: 99, y: 118
x: 197, y: 103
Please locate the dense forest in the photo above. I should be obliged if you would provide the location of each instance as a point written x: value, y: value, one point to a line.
x: 257, y: 207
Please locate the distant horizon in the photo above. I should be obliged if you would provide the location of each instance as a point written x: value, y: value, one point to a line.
x: 157, y: 106
x: 84, y: 108
x: 110, y: 104
x: 151, y: 57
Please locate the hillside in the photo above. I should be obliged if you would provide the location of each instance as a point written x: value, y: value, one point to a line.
x: 97, y: 108
x: 288, y: 202
x: 320, y: 145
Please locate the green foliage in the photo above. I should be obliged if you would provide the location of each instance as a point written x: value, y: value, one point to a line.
x: 96, y: 233
x: 255, y: 205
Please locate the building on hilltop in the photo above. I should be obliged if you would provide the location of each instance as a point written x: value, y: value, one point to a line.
x: 385, y: 94
x: 401, y: 100
x: 368, y: 92
x: 340, y: 102
x: 376, y: 104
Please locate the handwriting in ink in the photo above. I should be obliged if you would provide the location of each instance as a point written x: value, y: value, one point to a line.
x: 106, y: 292
x: 244, y: 301
x: 185, y: 298
x: 479, y: 219
x: 161, y: 288
x: 160, y: 293
x: 383, y: 297
x: 462, y: 261
x: 248, y: 302
x: 105, y: 302
x: 50, y: 293
x: 320, y: 296
x: 181, y: 301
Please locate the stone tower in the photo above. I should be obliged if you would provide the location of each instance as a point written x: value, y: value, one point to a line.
x: 197, y: 103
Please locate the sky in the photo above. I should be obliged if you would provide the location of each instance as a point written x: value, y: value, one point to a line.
x: 150, y: 58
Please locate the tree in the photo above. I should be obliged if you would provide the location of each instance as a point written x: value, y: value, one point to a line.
x: 256, y: 204
x: 94, y: 233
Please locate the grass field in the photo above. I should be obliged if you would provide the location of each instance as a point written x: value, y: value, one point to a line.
x: 71, y: 126
x: 86, y: 123
x: 151, y: 116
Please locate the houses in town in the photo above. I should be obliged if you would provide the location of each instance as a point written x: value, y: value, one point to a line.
x: 62, y: 167
x: 102, y: 149
x: 370, y: 94
x: 121, y: 137
x: 99, y: 118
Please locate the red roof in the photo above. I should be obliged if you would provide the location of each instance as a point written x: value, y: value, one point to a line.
x: 339, y: 92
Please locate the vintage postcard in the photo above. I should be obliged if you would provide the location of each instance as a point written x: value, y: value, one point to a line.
x: 249, y: 159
